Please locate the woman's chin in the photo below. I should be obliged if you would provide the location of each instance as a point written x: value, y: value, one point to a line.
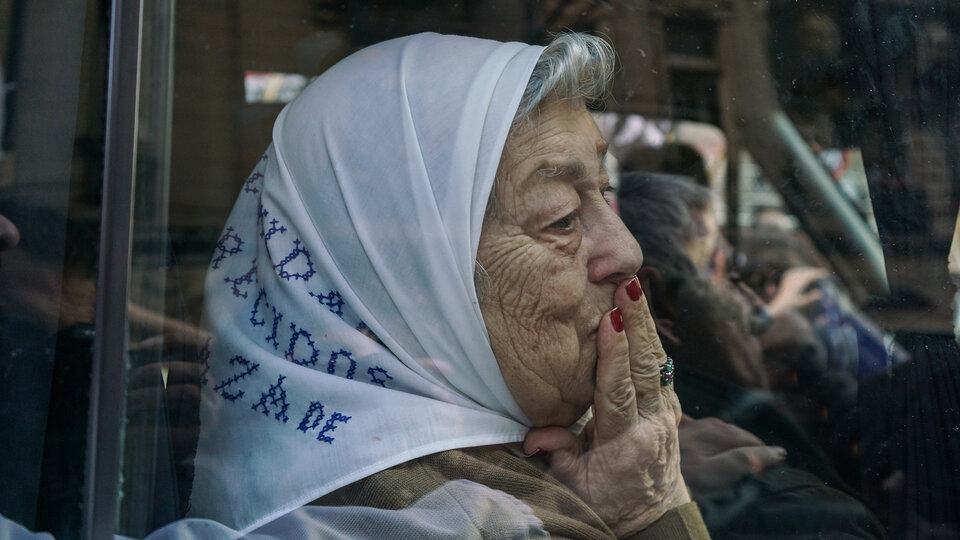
x: 563, y: 415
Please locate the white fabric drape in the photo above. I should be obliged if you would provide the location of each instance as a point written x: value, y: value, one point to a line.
x: 364, y: 215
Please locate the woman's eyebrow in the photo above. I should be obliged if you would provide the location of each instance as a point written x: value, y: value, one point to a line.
x: 574, y: 170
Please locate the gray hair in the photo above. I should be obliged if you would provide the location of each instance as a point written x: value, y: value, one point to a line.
x: 574, y: 66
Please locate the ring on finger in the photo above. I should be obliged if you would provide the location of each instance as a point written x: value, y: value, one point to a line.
x: 666, y: 372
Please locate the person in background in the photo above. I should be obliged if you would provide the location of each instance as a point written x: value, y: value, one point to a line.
x: 711, y: 332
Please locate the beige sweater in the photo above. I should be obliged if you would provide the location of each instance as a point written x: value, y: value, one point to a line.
x: 562, y: 513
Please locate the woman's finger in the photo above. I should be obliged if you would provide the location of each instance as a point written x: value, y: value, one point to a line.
x: 614, y: 402
x: 747, y: 460
x: 646, y: 351
x: 547, y: 440
x: 716, y: 435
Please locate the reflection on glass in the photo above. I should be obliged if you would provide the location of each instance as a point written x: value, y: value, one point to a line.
x: 777, y: 160
x: 272, y: 87
x: 52, y: 62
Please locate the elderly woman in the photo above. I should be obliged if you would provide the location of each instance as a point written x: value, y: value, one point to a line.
x: 420, y: 291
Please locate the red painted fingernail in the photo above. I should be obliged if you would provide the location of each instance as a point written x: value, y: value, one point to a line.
x: 616, y: 318
x: 634, y: 290
x: 536, y: 453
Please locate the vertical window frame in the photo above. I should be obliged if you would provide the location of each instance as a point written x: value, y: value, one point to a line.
x: 104, y: 444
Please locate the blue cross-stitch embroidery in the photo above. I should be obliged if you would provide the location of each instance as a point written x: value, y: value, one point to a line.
x: 272, y: 338
x: 273, y: 228
x: 249, y: 187
x: 317, y: 407
x: 204, y: 358
x: 294, y: 338
x: 249, y: 277
x: 377, y: 380
x: 249, y: 367
x: 261, y: 213
x: 221, y: 246
x: 332, y: 363
x: 262, y: 295
x: 292, y: 256
x: 332, y: 300
x: 277, y: 397
x: 329, y: 426
x: 263, y: 157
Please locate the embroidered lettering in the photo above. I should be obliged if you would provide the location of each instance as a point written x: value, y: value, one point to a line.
x: 272, y: 338
x: 249, y: 186
x: 329, y: 426
x: 332, y: 300
x: 317, y: 407
x: 261, y: 213
x: 291, y: 257
x: 377, y: 380
x: 277, y: 398
x: 248, y: 368
x: 262, y: 295
x: 273, y: 228
x: 221, y: 246
x: 332, y: 363
x: 249, y: 277
x: 291, y: 356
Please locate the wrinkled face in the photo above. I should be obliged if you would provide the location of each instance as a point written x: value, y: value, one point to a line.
x: 554, y: 252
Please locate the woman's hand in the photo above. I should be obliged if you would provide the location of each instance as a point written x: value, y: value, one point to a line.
x: 792, y: 292
x: 626, y: 463
x: 716, y: 455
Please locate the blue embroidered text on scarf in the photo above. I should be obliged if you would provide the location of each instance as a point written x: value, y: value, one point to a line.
x: 363, y: 218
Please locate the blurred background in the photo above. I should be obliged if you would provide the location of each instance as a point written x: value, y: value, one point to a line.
x: 827, y: 133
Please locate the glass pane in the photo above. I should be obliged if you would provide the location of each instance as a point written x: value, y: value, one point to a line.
x: 789, y: 170
x: 52, y: 97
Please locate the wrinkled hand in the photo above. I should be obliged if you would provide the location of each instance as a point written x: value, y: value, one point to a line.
x: 626, y: 463
x: 715, y: 455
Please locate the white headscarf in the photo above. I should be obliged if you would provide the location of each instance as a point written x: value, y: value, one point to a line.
x: 363, y: 216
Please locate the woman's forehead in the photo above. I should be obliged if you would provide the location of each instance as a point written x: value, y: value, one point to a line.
x: 559, y: 143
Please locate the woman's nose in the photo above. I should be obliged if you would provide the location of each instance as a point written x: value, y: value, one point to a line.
x: 9, y: 234
x: 616, y: 255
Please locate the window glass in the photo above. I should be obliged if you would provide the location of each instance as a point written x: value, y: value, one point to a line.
x: 52, y: 98
x: 823, y: 133
x: 788, y: 168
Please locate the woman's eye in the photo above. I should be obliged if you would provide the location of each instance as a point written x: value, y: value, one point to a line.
x: 567, y: 223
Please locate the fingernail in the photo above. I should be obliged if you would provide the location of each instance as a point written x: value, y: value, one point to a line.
x: 782, y: 452
x: 536, y: 453
x: 616, y: 318
x: 634, y: 290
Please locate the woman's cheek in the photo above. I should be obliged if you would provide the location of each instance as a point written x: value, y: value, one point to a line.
x: 565, y: 285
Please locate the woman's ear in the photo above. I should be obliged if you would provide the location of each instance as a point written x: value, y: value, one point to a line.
x: 653, y: 286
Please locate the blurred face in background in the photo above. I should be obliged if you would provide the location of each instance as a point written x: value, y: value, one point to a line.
x: 9, y: 234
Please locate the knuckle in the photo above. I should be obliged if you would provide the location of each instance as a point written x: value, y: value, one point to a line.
x: 650, y: 403
x: 620, y: 398
x: 645, y: 371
